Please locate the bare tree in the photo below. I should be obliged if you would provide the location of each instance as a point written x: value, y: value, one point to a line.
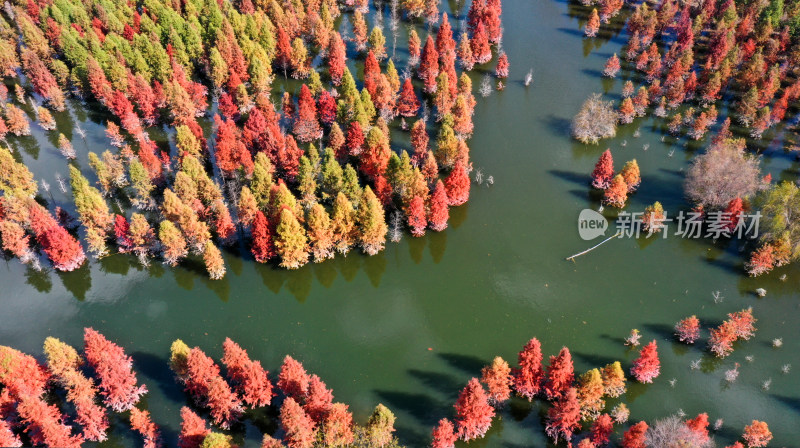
x: 597, y: 119
x: 722, y: 174
x: 672, y: 432
x: 529, y: 78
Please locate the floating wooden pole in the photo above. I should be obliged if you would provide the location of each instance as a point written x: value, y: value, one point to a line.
x: 594, y: 247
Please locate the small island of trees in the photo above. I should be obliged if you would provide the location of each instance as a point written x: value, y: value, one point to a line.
x: 300, y: 181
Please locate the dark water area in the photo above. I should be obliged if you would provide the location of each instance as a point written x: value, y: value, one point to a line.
x: 410, y: 326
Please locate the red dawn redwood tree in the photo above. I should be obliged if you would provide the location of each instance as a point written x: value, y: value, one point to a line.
x: 114, y: 369
x: 337, y: 429
x: 407, y: 104
x: 7, y: 437
x: 263, y: 248
x: 560, y: 374
x: 528, y: 377
x: 592, y: 25
x: 612, y: 67
x: 757, y: 434
x: 688, y: 329
x: 293, y: 379
x: 247, y: 376
x: 626, y: 111
x: 733, y: 213
x: 355, y: 138
x: 231, y: 153
x: 722, y: 338
x: 209, y: 389
x: 428, y: 68
x: 473, y: 411
x: 319, y: 400
x: 64, y: 363
x: 121, y: 230
x: 193, y: 429
x: 419, y: 141
x: 631, y: 175
x: 62, y: 248
x: 617, y: 193
x: 699, y: 425
x: 762, y: 260
x: 458, y: 184
x: 564, y: 417
x: 475, y: 14
x: 479, y: 44
x: 647, y: 366
x: 635, y: 436
x: 15, y: 241
x: 498, y: 380
x: 603, y: 171
x: 444, y: 37
x: 306, y: 125
x: 143, y: 424
x: 414, y: 45
x: 337, y: 58
x: 44, y: 424
x: 743, y: 323
x: 601, y: 430
x: 416, y: 216
x: 501, y: 71
x: 326, y: 107
x: 444, y: 435
x: 289, y: 158
x: 299, y: 428
x: 376, y: 154
x: 439, y: 212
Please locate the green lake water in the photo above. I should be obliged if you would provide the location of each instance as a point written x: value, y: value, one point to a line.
x: 410, y: 326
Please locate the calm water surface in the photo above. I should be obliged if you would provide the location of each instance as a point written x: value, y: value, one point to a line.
x: 410, y: 326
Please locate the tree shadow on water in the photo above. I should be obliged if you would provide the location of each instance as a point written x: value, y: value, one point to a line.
x: 578, y: 179
x: 792, y: 402
x: 416, y: 248
x: 40, y: 280
x: 469, y: 364
x: 349, y: 265
x: 594, y: 360
x: 558, y: 125
x: 665, y: 332
x: 221, y: 288
x: 325, y: 273
x: 299, y: 283
x: 447, y: 385
x: 423, y: 408
x: 183, y: 278
x: 375, y: 267
x: 438, y: 244
x: 458, y: 215
x: 78, y: 282
x: 156, y: 368
x: 273, y: 278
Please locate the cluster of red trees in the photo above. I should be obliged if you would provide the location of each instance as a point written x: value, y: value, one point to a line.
x: 572, y: 399
x: 24, y: 221
x: 615, y: 187
x: 27, y: 418
x: 307, y: 410
x: 710, y: 47
x: 304, y: 181
x: 103, y: 380
x: 739, y: 325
